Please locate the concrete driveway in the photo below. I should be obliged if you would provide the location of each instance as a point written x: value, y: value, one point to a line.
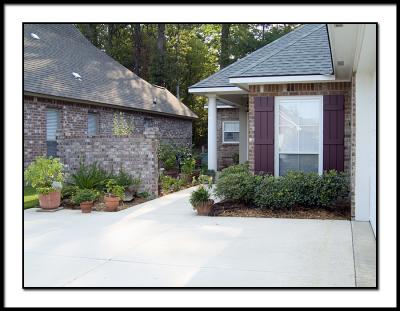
x: 162, y: 243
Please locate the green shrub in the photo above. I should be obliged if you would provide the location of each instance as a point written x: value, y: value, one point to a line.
x: 143, y: 195
x: 45, y: 175
x: 199, y: 196
x: 203, y: 180
x: 90, y: 177
x: 188, y: 166
x: 113, y: 189
x: 84, y: 195
x: 299, y: 188
x: 236, y: 183
x: 68, y: 190
x: 125, y: 180
x: 170, y: 184
x: 167, y: 155
x: 235, y: 158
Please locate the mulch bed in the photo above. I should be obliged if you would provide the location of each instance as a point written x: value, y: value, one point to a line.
x: 233, y: 209
x: 100, y: 205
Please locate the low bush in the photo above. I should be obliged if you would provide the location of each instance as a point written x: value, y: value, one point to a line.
x: 113, y: 189
x: 90, y: 177
x: 236, y: 183
x: 301, y: 189
x: 84, y: 195
x: 167, y: 155
x: 199, y: 196
x: 170, y: 184
x: 125, y: 180
x: 188, y: 166
x: 203, y: 180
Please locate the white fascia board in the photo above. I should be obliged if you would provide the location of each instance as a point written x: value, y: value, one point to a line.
x: 221, y: 106
x: 282, y: 79
x: 216, y: 90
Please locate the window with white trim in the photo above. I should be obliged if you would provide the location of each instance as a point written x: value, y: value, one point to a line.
x: 298, y: 134
x: 93, y: 123
x: 52, y: 125
x: 230, y: 132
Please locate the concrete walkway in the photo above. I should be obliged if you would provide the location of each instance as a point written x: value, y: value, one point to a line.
x: 162, y: 243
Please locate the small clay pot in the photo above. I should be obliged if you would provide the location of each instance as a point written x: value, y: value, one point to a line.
x: 50, y: 201
x: 204, y: 209
x: 111, y: 203
x: 86, y: 207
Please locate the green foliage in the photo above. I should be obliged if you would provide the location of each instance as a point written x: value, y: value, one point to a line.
x: 143, y: 195
x: 169, y: 184
x: 125, y: 180
x: 201, y: 195
x: 235, y: 158
x: 45, y: 175
x: 113, y: 189
x: 69, y: 190
x: 85, y: 195
x: 30, y: 197
x: 236, y: 183
x: 167, y: 155
x: 188, y: 166
x: 89, y: 177
x: 203, y: 180
x: 299, y: 188
x: 121, y: 126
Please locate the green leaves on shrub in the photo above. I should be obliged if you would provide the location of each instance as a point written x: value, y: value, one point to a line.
x: 112, y: 188
x: 236, y: 183
x: 188, y: 166
x: 274, y: 192
x: 90, y: 177
x: 84, y: 195
x: 170, y: 184
x: 125, y: 180
x: 167, y: 155
x: 44, y: 173
x: 199, y: 196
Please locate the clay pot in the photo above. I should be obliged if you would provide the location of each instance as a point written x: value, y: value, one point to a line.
x: 111, y: 203
x: 204, y: 209
x: 50, y: 201
x: 86, y: 207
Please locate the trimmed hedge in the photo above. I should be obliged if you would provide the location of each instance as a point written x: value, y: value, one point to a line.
x: 237, y: 183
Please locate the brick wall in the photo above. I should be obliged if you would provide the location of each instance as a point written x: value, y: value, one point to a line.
x: 136, y: 155
x: 299, y: 89
x: 225, y: 151
x: 353, y: 144
x: 74, y: 123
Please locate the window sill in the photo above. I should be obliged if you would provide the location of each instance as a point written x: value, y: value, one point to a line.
x: 230, y: 143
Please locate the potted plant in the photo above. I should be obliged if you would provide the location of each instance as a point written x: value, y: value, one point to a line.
x: 114, y: 194
x: 187, y: 169
x: 85, y: 198
x: 168, y: 158
x: 201, y: 202
x: 130, y: 184
x: 45, y: 175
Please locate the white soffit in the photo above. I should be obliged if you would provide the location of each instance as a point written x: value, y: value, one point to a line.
x: 282, y: 79
x: 217, y: 90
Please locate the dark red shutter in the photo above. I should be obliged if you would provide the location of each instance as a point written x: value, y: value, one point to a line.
x: 264, y: 134
x: 333, y: 132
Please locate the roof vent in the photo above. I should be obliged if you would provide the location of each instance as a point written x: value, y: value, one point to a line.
x: 338, y: 25
x: 340, y: 63
x: 35, y: 36
x: 154, y: 101
x: 77, y: 76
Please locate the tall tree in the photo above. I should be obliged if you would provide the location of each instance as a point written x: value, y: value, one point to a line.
x: 224, y: 55
x: 91, y: 32
x: 137, y: 44
x: 160, y: 56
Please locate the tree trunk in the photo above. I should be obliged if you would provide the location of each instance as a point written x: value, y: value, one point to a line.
x: 224, y: 56
x: 111, y: 33
x: 137, y: 54
x: 91, y: 32
x: 160, y: 72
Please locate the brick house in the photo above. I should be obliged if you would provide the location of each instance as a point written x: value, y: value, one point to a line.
x: 306, y: 101
x: 74, y: 90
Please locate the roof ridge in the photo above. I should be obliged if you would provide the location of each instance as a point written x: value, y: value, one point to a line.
x: 252, y: 53
x: 280, y: 50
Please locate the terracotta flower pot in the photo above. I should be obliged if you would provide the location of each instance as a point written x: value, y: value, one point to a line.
x: 86, y: 207
x: 111, y: 203
x: 204, y: 209
x: 50, y: 201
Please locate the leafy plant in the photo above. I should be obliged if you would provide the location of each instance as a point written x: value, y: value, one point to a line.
x: 85, y: 195
x: 199, y: 196
x: 169, y: 184
x: 125, y: 180
x: 69, y: 190
x: 113, y: 189
x: 167, y: 155
x: 203, y: 180
x: 45, y: 175
x: 188, y: 166
x: 89, y: 177
x: 236, y: 183
x: 274, y: 193
x: 121, y: 126
x: 143, y: 195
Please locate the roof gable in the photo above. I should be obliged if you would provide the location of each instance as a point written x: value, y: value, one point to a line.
x: 302, y: 51
x: 49, y: 64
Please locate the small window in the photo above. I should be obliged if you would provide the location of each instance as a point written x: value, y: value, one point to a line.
x: 93, y: 122
x: 231, y: 132
x: 52, y: 125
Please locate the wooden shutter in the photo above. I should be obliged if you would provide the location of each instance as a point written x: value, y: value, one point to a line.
x: 333, y: 137
x: 52, y: 122
x: 264, y: 134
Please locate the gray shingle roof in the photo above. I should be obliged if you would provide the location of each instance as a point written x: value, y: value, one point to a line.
x: 61, y: 50
x: 303, y: 51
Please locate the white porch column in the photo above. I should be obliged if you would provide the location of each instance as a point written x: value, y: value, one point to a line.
x: 212, y: 132
x: 243, y: 135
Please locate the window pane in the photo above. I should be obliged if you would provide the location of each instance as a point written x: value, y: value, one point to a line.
x: 51, y: 148
x: 231, y: 137
x: 308, y: 163
x: 231, y: 126
x: 288, y: 114
x: 309, y: 139
x: 288, y: 162
x: 308, y: 112
x: 92, y: 124
x: 288, y: 139
x: 51, y: 124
